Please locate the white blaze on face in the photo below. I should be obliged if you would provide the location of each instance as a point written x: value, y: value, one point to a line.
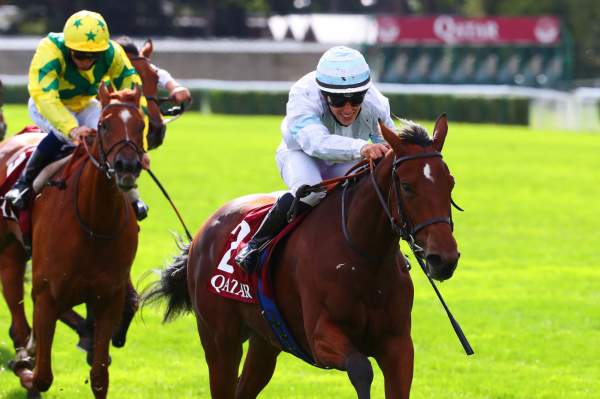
x: 427, y: 172
x: 125, y: 115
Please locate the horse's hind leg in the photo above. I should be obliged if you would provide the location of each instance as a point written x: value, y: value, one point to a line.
x: 223, y: 352
x: 12, y: 274
x: 258, y: 368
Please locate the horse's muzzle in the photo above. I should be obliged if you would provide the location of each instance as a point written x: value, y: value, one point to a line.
x: 127, y: 170
x: 441, y: 267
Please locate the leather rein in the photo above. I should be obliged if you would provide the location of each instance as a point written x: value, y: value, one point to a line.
x: 402, y: 227
x: 104, y: 166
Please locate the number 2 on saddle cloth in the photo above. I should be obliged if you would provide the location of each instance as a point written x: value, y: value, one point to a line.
x: 230, y: 281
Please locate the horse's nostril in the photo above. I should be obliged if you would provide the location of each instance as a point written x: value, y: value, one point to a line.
x: 119, y: 165
x: 434, y: 260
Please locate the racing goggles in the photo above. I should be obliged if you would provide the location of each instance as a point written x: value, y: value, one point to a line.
x: 338, y: 100
x: 86, y: 55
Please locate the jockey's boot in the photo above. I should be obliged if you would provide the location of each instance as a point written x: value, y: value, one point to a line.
x: 140, y: 208
x: 21, y: 193
x: 272, y: 224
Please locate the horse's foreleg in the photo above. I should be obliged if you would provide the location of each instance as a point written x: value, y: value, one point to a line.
x: 44, y: 324
x: 131, y: 306
x: 106, y: 316
x: 333, y: 348
x: 12, y: 274
x: 258, y: 368
x: 396, y: 360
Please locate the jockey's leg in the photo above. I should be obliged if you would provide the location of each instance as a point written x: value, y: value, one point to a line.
x: 297, y: 170
x: 272, y: 224
x: 139, y: 206
x: 47, y: 151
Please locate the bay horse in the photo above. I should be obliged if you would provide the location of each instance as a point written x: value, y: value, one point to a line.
x: 2, y: 121
x: 13, y: 257
x: 85, y: 236
x: 339, y: 279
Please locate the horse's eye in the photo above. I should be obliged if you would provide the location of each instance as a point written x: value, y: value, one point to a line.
x: 406, y: 188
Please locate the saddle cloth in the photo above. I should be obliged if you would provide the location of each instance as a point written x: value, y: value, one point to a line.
x: 228, y: 279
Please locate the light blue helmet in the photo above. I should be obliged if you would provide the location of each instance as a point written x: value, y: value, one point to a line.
x: 343, y: 70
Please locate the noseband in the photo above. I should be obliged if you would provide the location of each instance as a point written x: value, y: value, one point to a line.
x: 405, y: 229
x: 103, y: 164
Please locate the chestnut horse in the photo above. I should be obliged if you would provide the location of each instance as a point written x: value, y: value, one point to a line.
x: 12, y: 254
x: 339, y: 279
x: 85, y: 237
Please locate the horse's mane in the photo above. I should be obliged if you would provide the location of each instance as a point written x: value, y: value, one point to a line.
x: 414, y: 133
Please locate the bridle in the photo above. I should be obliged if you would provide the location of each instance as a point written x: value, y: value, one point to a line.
x: 102, y: 163
x: 106, y: 168
x: 400, y: 225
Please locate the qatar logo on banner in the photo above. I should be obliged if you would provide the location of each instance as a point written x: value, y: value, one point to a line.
x: 546, y: 30
x: 452, y: 31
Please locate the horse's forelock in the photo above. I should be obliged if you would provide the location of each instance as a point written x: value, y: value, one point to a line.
x: 414, y: 133
x: 125, y: 95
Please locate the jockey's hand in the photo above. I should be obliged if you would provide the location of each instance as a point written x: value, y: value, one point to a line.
x: 180, y: 94
x: 79, y: 132
x: 146, y: 161
x: 373, y: 150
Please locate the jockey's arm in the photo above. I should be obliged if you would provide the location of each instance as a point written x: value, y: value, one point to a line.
x: 315, y: 140
x: 176, y: 91
x: 124, y: 76
x: 43, y: 87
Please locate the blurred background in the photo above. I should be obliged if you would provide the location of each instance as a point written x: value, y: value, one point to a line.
x: 528, y: 62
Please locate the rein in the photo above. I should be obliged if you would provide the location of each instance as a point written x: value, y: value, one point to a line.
x: 105, y: 167
x: 404, y: 230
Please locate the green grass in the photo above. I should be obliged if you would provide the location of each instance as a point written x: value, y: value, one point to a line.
x: 526, y: 290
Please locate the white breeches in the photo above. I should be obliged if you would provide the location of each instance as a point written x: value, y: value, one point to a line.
x: 297, y: 169
x: 88, y: 116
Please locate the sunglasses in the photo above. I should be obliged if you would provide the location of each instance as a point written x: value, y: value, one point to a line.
x: 338, y: 100
x: 84, y: 56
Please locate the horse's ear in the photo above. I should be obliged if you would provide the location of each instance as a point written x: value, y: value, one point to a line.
x: 391, y: 137
x: 439, y: 132
x: 103, y: 94
x: 147, y: 48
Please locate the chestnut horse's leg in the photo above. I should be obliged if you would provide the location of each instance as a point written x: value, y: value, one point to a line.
x: 106, y: 316
x: 12, y: 273
x: 258, y: 368
x: 333, y: 348
x: 132, y: 300
x: 223, y: 352
x: 396, y: 363
x: 45, y: 316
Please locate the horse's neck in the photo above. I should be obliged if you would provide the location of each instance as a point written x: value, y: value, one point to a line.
x: 367, y: 222
x: 99, y: 201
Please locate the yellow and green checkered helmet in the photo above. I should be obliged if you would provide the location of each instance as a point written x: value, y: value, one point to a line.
x: 86, y: 31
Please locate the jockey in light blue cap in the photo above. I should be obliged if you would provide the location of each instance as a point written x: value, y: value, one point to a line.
x: 331, y: 123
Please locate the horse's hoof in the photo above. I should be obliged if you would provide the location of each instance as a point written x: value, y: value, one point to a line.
x: 26, y: 377
x: 33, y: 394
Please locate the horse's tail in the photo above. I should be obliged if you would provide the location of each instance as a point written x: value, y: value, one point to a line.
x: 172, y: 286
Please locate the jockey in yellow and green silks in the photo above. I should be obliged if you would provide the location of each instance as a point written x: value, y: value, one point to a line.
x: 68, y: 67
x: 65, y: 73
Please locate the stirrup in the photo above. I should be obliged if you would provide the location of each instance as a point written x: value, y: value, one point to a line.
x: 140, y: 208
x: 247, y: 258
x: 18, y: 196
